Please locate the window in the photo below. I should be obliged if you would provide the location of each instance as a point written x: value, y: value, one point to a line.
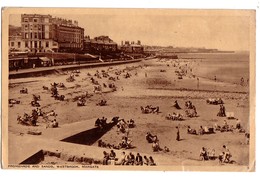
x: 39, y: 35
x: 19, y: 44
x: 35, y: 44
x: 47, y: 44
x: 25, y: 20
x: 40, y: 44
x: 35, y: 20
x: 35, y: 36
x: 26, y: 35
x: 31, y: 35
x: 26, y: 44
x: 12, y: 44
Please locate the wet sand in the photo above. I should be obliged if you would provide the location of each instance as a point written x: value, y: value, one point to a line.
x: 158, y: 89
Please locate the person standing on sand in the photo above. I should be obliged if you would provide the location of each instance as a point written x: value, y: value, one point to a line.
x: 223, y: 110
x: 215, y: 78
x: 242, y: 81
x: 178, y: 134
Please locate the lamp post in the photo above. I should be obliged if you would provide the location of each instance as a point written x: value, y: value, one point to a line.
x: 52, y: 58
x: 75, y: 58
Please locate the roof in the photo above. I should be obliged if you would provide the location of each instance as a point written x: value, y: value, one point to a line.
x: 16, y: 59
x: 44, y: 59
x: 100, y: 41
x: 136, y: 45
x: 89, y: 55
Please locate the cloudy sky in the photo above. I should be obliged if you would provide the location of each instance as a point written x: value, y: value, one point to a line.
x: 227, y: 30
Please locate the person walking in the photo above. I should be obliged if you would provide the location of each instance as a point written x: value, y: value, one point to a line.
x: 178, y: 134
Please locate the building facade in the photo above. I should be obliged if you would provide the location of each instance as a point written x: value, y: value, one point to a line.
x: 68, y: 34
x: 37, y: 33
x: 99, y: 45
x: 132, y: 47
x: 43, y: 33
x: 16, y: 43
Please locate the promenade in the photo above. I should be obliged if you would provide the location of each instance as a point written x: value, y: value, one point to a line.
x: 45, y: 70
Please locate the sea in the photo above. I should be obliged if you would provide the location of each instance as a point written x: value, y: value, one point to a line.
x: 227, y: 67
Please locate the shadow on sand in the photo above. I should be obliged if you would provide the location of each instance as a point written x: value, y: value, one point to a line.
x: 90, y: 136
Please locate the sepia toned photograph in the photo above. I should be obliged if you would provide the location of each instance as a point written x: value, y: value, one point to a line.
x: 126, y: 89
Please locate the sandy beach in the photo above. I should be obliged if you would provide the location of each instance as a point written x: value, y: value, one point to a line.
x: 152, y: 82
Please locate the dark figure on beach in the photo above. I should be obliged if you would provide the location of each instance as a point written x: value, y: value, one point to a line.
x: 145, y: 74
x: 151, y: 161
x: 106, y: 158
x: 242, y: 81
x: 194, y: 108
x: 176, y: 105
x: 146, y: 161
x: 203, y: 154
x: 215, y: 78
x: 178, y: 134
x: 222, y: 111
x: 151, y: 138
x: 138, y: 159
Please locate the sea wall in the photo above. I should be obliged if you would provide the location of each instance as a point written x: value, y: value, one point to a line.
x: 51, y: 70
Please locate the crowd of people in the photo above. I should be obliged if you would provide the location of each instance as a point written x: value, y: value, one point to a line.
x: 101, y: 122
x: 174, y: 116
x: 31, y: 120
x: 150, y: 138
x: 127, y: 159
x: 150, y: 109
x: 212, y: 129
x: 191, y: 110
x: 124, y: 144
x: 123, y: 127
x: 210, y: 154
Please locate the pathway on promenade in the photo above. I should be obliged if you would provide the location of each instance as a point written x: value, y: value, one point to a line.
x: 23, y: 72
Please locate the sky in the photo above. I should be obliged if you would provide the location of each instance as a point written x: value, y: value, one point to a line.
x: 228, y: 31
